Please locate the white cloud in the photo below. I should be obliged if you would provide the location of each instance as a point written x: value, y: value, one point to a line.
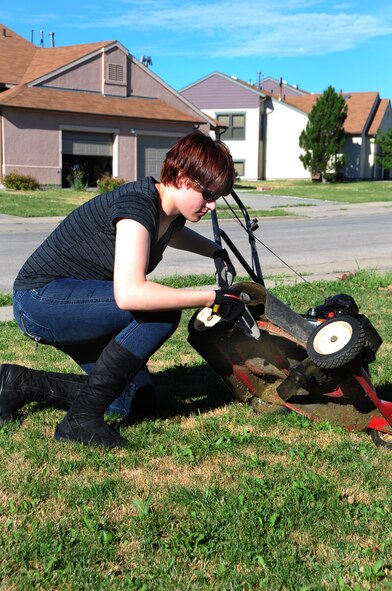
x: 224, y: 28
x: 285, y: 28
x: 303, y: 34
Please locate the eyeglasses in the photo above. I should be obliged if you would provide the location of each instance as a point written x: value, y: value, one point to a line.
x: 207, y: 194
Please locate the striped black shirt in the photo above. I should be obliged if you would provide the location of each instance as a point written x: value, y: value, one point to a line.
x: 82, y: 245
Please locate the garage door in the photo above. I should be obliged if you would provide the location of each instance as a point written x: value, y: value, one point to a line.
x: 151, y: 152
x: 87, y: 144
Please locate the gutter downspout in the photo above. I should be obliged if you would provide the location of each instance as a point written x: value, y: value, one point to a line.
x: 262, y: 147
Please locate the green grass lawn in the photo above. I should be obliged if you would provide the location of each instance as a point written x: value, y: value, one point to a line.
x: 349, y: 192
x: 210, y: 495
x: 60, y: 202
x: 51, y: 202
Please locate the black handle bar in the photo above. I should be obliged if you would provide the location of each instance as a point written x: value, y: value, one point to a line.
x: 253, y: 271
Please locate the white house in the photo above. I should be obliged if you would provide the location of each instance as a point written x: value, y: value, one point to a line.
x: 263, y: 126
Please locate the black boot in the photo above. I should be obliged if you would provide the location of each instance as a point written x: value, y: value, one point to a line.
x: 84, y: 422
x: 20, y: 385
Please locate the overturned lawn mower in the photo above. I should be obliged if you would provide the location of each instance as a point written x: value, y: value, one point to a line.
x: 315, y: 364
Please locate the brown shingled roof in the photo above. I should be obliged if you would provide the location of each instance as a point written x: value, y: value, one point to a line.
x: 47, y: 60
x: 22, y: 62
x: 15, y: 56
x: 360, y: 107
x: 93, y: 104
x: 376, y: 123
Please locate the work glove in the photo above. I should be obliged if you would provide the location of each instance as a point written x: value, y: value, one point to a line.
x: 225, y: 271
x: 228, y: 304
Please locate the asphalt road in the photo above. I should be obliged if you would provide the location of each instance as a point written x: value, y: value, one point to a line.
x: 314, y: 247
x: 324, y: 239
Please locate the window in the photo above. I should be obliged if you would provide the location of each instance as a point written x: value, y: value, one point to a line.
x: 235, y: 123
x: 239, y: 166
x: 116, y: 72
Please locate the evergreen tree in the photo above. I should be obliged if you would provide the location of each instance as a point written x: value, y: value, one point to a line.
x: 384, y: 143
x: 323, y: 137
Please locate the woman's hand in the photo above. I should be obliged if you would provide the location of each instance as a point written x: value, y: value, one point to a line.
x: 228, y: 304
x: 225, y: 271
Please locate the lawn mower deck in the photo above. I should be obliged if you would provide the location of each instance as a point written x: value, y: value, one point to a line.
x: 314, y: 364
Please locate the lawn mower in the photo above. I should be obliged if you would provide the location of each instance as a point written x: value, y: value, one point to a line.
x: 273, y: 358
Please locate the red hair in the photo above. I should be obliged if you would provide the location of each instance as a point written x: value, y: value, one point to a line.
x: 202, y: 159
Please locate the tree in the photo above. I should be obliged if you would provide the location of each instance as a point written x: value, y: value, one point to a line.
x: 323, y: 137
x: 384, y: 143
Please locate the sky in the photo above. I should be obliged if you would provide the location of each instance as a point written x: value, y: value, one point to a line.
x: 310, y: 43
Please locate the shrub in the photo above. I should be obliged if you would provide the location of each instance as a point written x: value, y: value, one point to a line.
x: 108, y: 183
x: 76, y: 178
x: 20, y: 182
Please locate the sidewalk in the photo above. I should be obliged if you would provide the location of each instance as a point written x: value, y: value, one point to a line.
x: 312, y: 208
x: 6, y: 313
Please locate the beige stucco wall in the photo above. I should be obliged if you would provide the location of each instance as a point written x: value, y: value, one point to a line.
x: 31, y: 146
x: 37, y: 150
x: 33, y: 140
x: 145, y: 85
x: 117, y: 57
x: 93, y: 75
x: 88, y: 77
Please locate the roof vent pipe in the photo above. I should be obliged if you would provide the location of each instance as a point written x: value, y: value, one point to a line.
x: 42, y: 38
x: 146, y: 60
x: 32, y: 35
x: 280, y: 89
x: 51, y: 35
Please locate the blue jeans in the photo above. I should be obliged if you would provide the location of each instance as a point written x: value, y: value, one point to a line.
x: 80, y: 317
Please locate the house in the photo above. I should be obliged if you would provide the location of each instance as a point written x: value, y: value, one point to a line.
x: 264, y: 122
x: 367, y: 115
x: 92, y: 106
x: 262, y: 129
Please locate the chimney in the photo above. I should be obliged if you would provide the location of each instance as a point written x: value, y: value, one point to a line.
x: 51, y: 35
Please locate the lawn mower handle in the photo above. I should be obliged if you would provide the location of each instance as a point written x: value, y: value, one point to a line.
x: 250, y: 225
